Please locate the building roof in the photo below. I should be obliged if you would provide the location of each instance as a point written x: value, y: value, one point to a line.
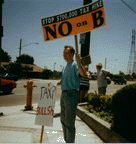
x: 26, y: 67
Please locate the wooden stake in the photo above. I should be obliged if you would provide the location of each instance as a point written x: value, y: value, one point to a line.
x: 76, y: 44
x: 42, y: 134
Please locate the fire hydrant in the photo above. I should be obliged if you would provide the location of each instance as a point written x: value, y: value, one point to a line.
x: 29, y: 87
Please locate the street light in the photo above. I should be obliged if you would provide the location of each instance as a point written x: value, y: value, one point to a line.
x: 54, y: 66
x: 110, y: 60
x: 61, y: 67
x: 24, y: 46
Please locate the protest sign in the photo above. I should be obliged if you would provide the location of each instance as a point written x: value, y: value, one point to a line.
x: 46, y: 104
x: 80, y: 20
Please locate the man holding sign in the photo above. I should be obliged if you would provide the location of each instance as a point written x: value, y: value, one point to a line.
x: 70, y: 81
x: 80, y: 20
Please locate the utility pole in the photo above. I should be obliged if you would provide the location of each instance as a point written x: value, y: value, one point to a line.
x: 1, y: 30
x: 85, y: 47
x: 105, y: 62
x: 20, y: 47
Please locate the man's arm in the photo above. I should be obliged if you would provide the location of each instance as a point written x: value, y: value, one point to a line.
x: 94, y: 76
x: 90, y: 78
x: 106, y: 73
x: 80, y: 66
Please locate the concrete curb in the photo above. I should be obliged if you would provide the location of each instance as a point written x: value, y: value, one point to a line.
x: 100, y: 127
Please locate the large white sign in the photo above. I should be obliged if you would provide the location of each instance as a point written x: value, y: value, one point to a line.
x: 45, y: 108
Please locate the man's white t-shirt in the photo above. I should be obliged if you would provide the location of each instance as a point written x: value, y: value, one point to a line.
x: 101, y: 81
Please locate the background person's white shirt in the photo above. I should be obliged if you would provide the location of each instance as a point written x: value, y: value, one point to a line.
x: 101, y: 81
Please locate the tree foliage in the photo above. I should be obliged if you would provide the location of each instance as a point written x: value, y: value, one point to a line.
x: 25, y: 58
x: 4, y: 56
x: 47, y: 73
x: 15, y: 68
x: 56, y: 74
x: 128, y: 77
x: 133, y: 75
x: 2, y: 70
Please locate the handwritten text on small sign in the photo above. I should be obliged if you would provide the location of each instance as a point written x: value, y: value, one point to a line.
x: 80, y: 20
x: 45, y: 109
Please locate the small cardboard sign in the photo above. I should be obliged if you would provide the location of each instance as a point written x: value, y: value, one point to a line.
x: 46, y: 104
x: 86, y: 60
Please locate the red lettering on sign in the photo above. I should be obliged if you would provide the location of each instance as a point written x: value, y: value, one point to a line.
x: 42, y: 110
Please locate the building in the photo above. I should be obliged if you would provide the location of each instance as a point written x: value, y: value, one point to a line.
x: 29, y: 70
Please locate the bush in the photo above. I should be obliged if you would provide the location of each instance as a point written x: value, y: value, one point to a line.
x: 124, y: 111
x: 99, y: 106
x: 99, y: 101
x: 15, y: 68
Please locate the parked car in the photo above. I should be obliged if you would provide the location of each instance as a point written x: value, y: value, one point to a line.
x: 119, y: 79
x: 7, y: 86
x: 9, y: 76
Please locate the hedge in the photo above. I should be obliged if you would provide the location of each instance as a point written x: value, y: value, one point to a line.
x: 124, y: 110
x: 99, y: 105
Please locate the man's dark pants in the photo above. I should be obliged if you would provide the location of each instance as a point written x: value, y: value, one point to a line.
x: 69, y: 101
x: 102, y: 90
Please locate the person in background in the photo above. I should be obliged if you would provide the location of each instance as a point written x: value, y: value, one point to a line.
x: 70, y: 80
x: 84, y: 84
x: 101, y: 79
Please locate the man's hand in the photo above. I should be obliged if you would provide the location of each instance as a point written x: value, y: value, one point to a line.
x: 49, y: 84
x: 94, y: 75
x: 80, y: 67
x: 78, y: 59
x: 59, y: 83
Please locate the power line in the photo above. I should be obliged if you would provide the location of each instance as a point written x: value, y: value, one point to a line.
x: 128, y: 6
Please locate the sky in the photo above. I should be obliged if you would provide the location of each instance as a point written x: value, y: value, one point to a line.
x: 22, y: 20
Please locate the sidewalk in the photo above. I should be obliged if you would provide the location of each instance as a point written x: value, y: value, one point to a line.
x: 17, y: 126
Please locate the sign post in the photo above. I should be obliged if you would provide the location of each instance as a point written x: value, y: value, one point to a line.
x: 76, y: 44
x: 42, y: 134
x: 45, y: 108
x: 85, y: 44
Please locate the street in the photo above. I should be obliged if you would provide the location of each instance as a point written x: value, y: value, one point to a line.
x: 18, y: 96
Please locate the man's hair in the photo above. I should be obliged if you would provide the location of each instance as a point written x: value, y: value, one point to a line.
x: 72, y: 50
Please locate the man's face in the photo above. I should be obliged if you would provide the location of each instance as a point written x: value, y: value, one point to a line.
x: 67, y: 55
x: 98, y: 68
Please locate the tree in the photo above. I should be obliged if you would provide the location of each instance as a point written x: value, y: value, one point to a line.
x: 2, y: 70
x: 133, y: 75
x: 122, y: 73
x: 56, y: 74
x: 47, y: 73
x: 5, y: 57
x: 129, y: 77
x: 15, y: 68
x: 25, y: 58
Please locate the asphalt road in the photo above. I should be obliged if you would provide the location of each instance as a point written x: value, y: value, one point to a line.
x: 18, y: 96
